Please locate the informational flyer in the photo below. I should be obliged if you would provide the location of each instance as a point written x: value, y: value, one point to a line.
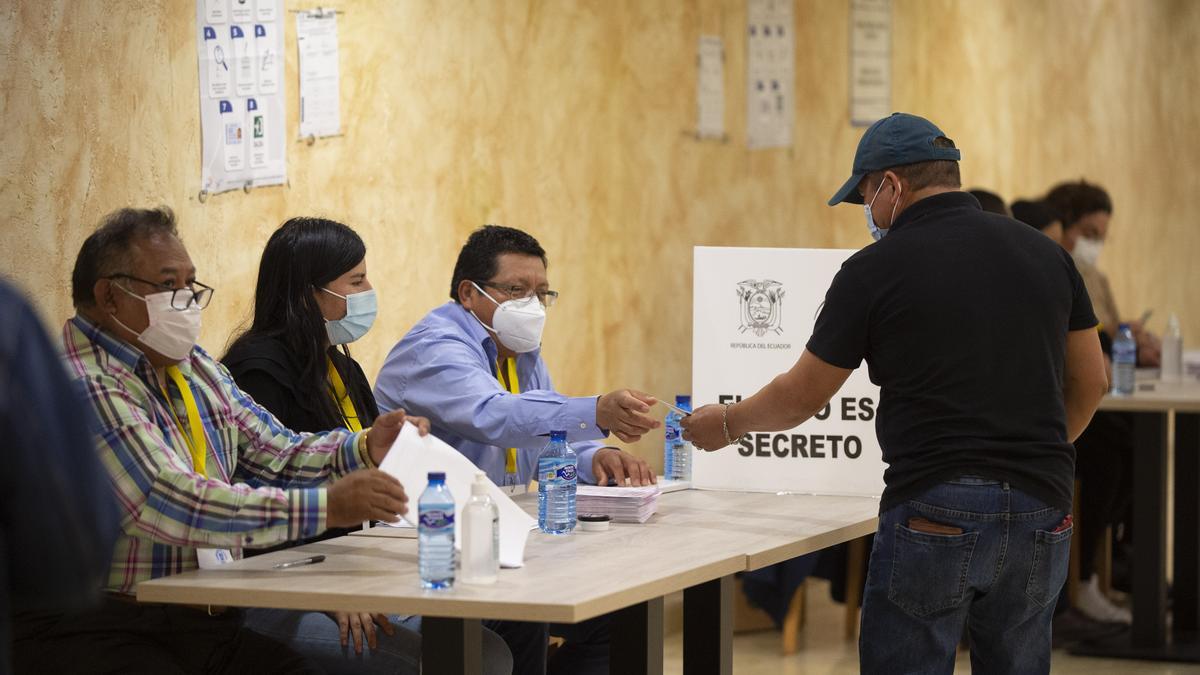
x: 770, y: 73
x: 870, y: 61
x: 239, y: 46
x: 317, y: 42
x: 710, y: 87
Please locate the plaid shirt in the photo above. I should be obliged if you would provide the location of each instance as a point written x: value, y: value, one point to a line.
x: 262, y: 483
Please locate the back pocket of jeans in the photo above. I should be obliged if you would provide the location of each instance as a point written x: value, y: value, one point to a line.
x: 929, y: 571
x: 1047, y: 574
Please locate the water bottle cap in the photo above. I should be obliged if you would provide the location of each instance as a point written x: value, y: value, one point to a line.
x: 558, y: 435
x: 1122, y: 326
x: 481, y: 484
x: 437, y: 476
x: 684, y: 401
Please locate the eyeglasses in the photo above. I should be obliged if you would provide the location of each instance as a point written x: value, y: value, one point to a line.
x: 547, y: 298
x: 181, y: 298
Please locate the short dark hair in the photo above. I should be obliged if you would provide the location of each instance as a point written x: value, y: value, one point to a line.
x: 990, y: 201
x: 107, y: 250
x: 1036, y: 214
x: 477, y: 259
x: 920, y: 175
x: 1074, y: 200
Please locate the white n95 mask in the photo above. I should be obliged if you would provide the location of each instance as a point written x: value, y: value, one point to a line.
x: 518, y: 324
x: 360, y: 315
x: 1088, y: 250
x: 172, y: 332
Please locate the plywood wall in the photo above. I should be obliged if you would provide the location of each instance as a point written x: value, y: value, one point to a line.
x: 571, y: 120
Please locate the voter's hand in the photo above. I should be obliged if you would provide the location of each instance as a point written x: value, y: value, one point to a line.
x: 387, y: 427
x: 620, y: 466
x: 359, y: 627
x: 623, y: 412
x: 704, y: 428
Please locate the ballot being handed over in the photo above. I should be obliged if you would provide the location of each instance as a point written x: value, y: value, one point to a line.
x: 413, y: 456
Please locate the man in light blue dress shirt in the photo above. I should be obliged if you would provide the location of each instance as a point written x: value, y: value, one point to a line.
x: 473, y: 366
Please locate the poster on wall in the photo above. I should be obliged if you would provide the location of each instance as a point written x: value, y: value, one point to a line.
x: 870, y: 61
x: 239, y: 48
x: 754, y: 310
x: 317, y: 44
x: 770, y: 68
x: 710, y: 87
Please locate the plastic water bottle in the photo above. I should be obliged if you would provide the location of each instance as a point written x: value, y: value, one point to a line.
x: 435, y: 553
x: 1172, y: 352
x: 481, y: 535
x: 677, y: 453
x: 1124, y: 356
x: 556, y: 469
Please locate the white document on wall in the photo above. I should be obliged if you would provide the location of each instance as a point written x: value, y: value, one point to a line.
x: 241, y: 99
x: 317, y: 42
x: 710, y: 87
x: 870, y: 61
x: 413, y: 456
x: 754, y: 311
x: 770, y: 73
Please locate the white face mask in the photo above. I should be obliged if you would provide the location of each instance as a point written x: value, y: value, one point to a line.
x: 360, y: 315
x: 877, y: 233
x: 1088, y: 249
x: 517, y: 324
x: 172, y: 332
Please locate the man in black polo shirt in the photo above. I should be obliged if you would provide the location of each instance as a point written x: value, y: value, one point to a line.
x: 981, y: 336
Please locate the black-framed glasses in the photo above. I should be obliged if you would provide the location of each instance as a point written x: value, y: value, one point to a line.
x: 181, y: 298
x: 547, y: 298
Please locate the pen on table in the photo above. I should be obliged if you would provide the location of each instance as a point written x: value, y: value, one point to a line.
x: 1146, y: 316
x: 303, y: 561
x: 677, y: 409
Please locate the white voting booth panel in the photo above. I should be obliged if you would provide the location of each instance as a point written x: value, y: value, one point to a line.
x: 754, y: 312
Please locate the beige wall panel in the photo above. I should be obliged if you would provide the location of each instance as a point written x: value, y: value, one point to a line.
x: 572, y: 120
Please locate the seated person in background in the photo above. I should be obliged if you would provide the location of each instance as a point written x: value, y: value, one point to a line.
x: 1040, y: 216
x: 312, y: 300
x: 990, y: 201
x: 200, y: 470
x: 1085, y: 210
x: 474, y: 367
x: 58, y: 520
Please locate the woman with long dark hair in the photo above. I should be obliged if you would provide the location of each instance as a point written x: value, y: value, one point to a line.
x: 312, y: 300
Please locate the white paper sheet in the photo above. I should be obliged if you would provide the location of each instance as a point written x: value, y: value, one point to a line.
x: 710, y: 87
x: 870, y: 61
x: 241, y: 99
x: 410, y: 460
x: 770, y: 73
x: 317, y: 42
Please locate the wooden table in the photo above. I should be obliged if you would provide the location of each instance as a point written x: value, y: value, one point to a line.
x: 695, y: 543
x: 1155, y: 407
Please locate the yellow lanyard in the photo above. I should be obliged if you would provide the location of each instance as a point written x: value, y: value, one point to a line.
x: 341, y: 398
x: 514, y: 387
x: 194, y: 433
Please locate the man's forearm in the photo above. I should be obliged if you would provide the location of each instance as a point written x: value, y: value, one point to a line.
x: 774, y: 408
x: 1081, y: 406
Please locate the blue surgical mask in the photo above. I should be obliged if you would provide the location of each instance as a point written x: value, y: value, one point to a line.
x: 877, y: 233
x: 360, y: 314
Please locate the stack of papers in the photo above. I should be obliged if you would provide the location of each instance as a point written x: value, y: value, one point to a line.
x: 622, y: 504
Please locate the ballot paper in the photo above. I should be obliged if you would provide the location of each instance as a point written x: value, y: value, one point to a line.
x: 413, y: 456
x: 621, y: 504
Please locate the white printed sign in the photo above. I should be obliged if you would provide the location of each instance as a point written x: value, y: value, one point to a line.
x: 754, y: 310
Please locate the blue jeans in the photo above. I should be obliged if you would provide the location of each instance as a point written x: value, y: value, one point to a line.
x: 996, y: 571
x: 315, y: 636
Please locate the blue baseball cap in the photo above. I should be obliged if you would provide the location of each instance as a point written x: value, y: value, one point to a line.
x: 895, y: 140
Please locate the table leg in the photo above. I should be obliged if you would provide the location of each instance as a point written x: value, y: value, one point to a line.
x: 451, y: 646
x: 1149, y: 529
x: 708, y: 628
x: 636, y: 639
x: 1187, y: 523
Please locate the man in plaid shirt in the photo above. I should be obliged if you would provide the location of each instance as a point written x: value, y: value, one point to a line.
x: 200, y: 471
